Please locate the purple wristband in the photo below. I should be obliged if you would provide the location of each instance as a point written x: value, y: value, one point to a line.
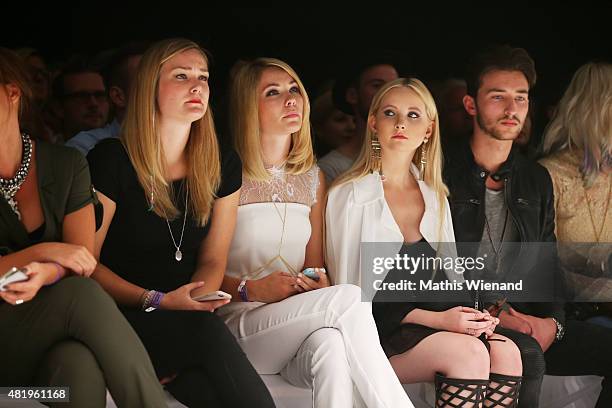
x: 58, y: 275
x: 157, y: 298
x: 242, y: 291
x: 152, y: 300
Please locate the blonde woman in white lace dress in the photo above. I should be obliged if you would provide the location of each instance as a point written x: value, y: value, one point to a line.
x: 315, y: 335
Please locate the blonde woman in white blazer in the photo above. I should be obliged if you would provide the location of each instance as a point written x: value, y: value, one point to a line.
x: 358, y: 212
x: 394, y: 193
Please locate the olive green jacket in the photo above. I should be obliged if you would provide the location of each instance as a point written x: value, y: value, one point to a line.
x: 64, y: 186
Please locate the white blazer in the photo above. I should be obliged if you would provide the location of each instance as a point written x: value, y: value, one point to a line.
x: 358, y: 212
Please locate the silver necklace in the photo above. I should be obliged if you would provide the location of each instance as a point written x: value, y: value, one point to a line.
x: 178, y: 255
x: 10, y: 187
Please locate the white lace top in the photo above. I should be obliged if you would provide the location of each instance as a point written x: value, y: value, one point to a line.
x: 273, y: 224
x: 282, y: 188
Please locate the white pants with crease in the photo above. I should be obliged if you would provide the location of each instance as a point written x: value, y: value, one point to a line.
x: 325, y: 339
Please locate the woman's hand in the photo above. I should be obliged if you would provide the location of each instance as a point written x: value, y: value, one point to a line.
x: 38, y: 274
x: 180, y: 299
x: 305, y: 284
x: 461, y: 319
x: 77, y: 258
x: 272, y: 288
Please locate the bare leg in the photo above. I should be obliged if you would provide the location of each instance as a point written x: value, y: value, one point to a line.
x: 453, y: 355
x: 505, y: 364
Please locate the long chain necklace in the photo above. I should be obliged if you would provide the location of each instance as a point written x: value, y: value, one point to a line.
x: 274, y: 198
x: 605, y: 214
x: 178, y: 255
x: 497, y: 250
x: 290, y: 269
x: 10, y: 187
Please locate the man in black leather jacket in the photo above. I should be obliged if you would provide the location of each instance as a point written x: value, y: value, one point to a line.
x: 520, y: 208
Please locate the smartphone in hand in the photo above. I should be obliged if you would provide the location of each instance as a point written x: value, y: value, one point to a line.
x: 312, y: 273
x: 13, y: 275
x: 217, y: 295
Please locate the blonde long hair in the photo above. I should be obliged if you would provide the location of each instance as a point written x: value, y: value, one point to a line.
x: 244, y: 122
x: 583, y: 119
x: 366, y: 163
x: 140, y: 136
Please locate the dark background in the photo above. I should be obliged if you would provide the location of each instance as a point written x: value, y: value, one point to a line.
x: 433, y: 41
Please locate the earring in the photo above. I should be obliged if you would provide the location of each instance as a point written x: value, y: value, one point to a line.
x: 423, y: 159
x: 377, y: 164
x: 151, y: 204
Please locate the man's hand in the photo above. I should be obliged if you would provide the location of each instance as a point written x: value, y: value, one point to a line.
x: 510, y: 321
x: 543, y: 330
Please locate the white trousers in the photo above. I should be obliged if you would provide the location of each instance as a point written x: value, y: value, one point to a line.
x: 325, y: 339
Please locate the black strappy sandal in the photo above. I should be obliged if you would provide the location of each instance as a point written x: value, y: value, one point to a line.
x: 459, y: 393
x: 503, y: 390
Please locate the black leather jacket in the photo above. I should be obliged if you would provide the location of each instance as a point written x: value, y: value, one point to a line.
x: 529, y: 198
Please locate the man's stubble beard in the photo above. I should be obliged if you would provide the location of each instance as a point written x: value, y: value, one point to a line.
x: 491, y: 131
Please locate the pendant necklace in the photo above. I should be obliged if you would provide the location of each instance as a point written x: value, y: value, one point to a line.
x: 178, y: 255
